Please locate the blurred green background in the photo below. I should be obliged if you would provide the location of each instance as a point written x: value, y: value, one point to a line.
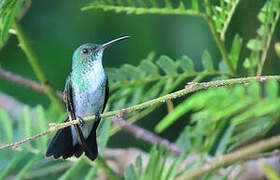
x: 56, y: 28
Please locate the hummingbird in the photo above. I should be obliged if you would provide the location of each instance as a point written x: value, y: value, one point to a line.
x: 86, y: 93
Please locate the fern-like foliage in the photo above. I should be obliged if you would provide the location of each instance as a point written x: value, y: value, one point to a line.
x: 225, y: 118
x: 24, y: 125
x: 158, y: 166
x: 8, y: 11
x: 145, y: 7
x: 131, y: 85
x: 268, y: 17
x: 222, y: 14
x: 29, y: 122
x: 161, y: 166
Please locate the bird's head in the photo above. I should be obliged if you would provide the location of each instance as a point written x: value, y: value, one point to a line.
x: 91, y: 52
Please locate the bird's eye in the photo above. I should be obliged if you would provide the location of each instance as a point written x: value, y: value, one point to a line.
x: 85, y: 51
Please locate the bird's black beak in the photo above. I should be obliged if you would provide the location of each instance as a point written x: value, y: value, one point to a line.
x: 103, y: 46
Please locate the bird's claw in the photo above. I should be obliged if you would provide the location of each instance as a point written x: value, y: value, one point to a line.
x: 81, y: 121
x: 97, y: 117
x: 97, y: 120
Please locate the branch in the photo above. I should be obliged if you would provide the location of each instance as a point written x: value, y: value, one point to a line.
x: 14, y: 145
x: 225, y: 160
x: 33, y: 60
x: 7, y: 75
x: 147, y: 136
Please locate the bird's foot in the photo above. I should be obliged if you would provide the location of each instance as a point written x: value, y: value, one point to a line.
x: 81, y: 121
x: 97, y: 120
x: 97, y: 117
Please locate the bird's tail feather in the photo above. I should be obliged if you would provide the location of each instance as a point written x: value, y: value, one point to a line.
x: 62, y: 145
x: 92, y: 150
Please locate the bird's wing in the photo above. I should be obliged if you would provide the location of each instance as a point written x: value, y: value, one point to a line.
x: 106, y: 94
x: 68, y: 93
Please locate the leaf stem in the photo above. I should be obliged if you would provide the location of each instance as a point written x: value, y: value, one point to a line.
x: 33, y: 60
x: 141, y: 10
x: 220, y: 43
x: 148, y: 136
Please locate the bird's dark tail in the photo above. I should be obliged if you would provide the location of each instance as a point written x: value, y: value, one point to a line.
x: 62, y: 145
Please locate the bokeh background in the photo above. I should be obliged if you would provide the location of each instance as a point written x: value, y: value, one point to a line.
x: 56, y: 28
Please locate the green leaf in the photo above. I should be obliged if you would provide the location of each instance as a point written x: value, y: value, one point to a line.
x: 149, y: 67
x: 277, y: 49
x: 225, y: 140
x: 254, y: 90
x: 269, y: 171
x: 207, y: 62
x: 168, y: 4
x: 74, y: 169
x: 104, y: 136
x: 153, y: 91
x: 27, y: 121
x: 132, y: 72
x: 139, y: 166
x: 6, y: 127
x: 166, y: 64
x: 171, y: 117
x: 9, y: 19
x: 12, y: 164
x: 255, y: 45
x: 262, y: 30
x: 196, y: 101
x: 186, y: 64
x: 247, y: 63
x: 151, y: 160
x: 129, y: 173
x: 272, y: 89
x: 41, y: 125
x: 27, y: 167
x: 228, y: 173
x: 235, y: 50
x: 92, y: 173
x: 115, y: 74
x: 195, y: 5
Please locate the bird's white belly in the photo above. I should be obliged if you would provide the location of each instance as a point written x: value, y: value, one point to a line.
x: 89, y: 103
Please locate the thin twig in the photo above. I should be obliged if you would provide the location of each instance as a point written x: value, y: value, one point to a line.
x: 14, y: 145
x: 147, y: 136
x: 225, y: 160
x: 24, y: 82
x: 33, y: 60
